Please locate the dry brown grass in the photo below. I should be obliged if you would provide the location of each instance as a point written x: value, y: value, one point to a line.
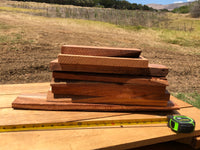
x: 29, y: 43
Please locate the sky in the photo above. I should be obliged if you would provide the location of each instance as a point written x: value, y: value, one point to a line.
x: 164, y: 2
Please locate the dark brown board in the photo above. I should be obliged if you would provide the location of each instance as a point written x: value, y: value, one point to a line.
x: 152, y: 70
x: 112, y: 78
x: 140, y: 101
x: 106, y: 89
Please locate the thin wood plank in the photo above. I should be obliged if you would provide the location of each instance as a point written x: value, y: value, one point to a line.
x: 52, y: 98
x: 106, y: 89
x: 143, y: 101
x: 140, y: 101
x: 196, y: 142
x: 101, y: 51
x: 152, y: 70
x: 103, y: 61
x: 113, y: 78
x: 41, y: 104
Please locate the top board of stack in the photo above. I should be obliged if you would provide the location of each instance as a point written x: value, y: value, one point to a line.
x: 105, y: 75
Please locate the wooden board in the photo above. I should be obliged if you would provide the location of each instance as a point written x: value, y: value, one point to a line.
x: 123, y: 101
x: 106, y: 89
x: 101, y: 51
x: 97, y: 138
x: 113, y: 78
x: 141, y: 101
x: 152, y: 70
x: 103, y: 61
x: 40, y: 103
x: 196, y: 143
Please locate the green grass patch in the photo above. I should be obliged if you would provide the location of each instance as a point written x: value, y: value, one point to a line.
x: 181, y: 30
x: 134, y: 28
x: 182, y: 38
x: 12, y: 9
x: 3, y: 39
x: 14, y: 38
x: 4, y: 26
x: 191, y: 98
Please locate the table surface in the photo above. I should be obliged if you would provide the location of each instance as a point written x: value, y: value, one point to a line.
x: 82, y: 138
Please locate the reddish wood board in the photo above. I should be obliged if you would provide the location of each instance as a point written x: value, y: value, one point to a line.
x: 152, y: 69
x: 101, y: 51
x: 113, y: 78
x: 106, y: 89
x: 40, y: 103
x: 139, y: 101
x: 102, y: 60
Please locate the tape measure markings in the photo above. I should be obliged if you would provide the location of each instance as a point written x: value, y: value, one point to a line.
x: 180, y: 124
x: 82, y: 124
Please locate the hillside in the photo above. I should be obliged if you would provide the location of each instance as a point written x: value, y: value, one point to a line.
x: 169, y: 6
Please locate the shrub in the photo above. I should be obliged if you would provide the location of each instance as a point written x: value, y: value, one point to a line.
x: 182, y: 9
x: 195, y: 9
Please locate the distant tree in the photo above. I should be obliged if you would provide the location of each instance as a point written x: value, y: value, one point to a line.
x: 164, y: 10
x: 134, y: 6
x: 117, y: 4
x: 123, y: 4
x: 108, y: 3
x: 182, y: 9
x: 145, y: 7
x: 195, y: 9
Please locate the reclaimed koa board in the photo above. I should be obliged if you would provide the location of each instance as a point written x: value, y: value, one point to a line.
x: 135, y: 101
x: 109, y: 78
x: 153, y: 70
x: 102, y: 60
x: 100, y: 51
x: 111, y: 93
x: 105, y: 89
x: 40, y: 103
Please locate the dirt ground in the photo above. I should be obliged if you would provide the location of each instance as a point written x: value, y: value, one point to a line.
x: 29, y: 43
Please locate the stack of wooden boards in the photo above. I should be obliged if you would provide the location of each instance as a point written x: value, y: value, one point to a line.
x: 106, y: 79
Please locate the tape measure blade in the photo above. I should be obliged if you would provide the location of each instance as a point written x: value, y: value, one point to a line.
x: 82, y: 124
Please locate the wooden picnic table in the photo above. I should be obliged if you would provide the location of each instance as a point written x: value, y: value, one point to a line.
x: 83, y: 138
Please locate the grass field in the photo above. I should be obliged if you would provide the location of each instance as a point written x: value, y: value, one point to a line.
x: 29, y: 41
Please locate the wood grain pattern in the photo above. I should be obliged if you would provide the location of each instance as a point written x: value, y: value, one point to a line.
x: 152, y: 70
x: 42, y: 104
x: 196, y: 142
x: 103, y: 61
x: 113, y: 78
x: 137, y: 101
x: 106, y: 89
x: 51, y: 98
x: 101, y: 51
x: 141, y: 101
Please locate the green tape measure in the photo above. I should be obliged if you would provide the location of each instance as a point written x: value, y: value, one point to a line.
x: 174, y: 123
x: 181, y: 124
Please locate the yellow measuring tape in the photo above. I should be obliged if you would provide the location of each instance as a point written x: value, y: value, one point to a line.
x: 80, y: 124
